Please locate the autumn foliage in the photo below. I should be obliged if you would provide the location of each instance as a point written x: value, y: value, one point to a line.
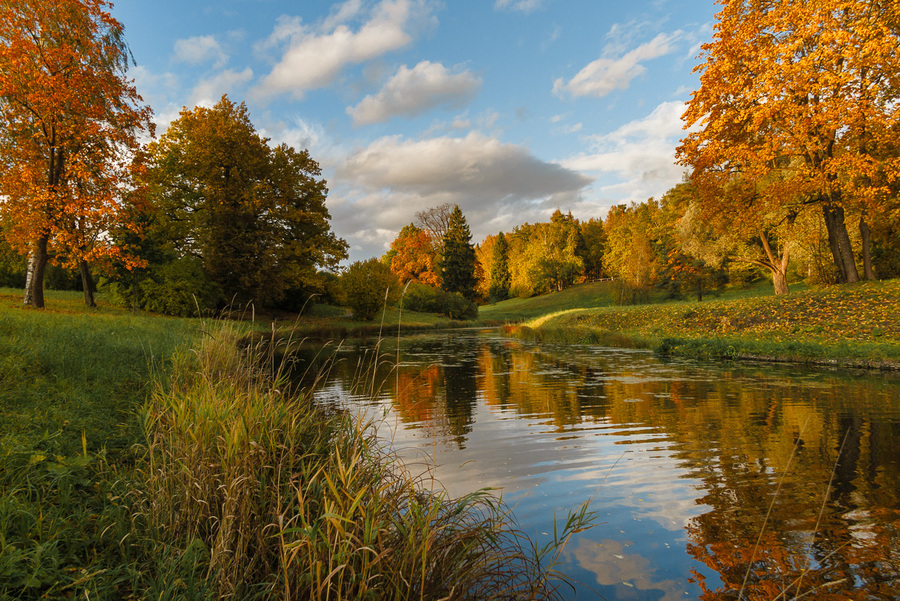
x: 797, y: 110
x: 70, y: 126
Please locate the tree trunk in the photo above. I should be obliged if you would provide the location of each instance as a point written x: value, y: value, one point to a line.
x: 778, y: 267
x: 87, y: 282
x: 34, y: 274
x: 866, y: 235
x: 839, y: 241
x: 779, y: 279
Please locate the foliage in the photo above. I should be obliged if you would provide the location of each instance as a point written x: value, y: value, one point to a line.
x: 70, y: 126
x: 251, y: 216
x: 458, y: 260
x: 631, y: 257
x: 368, y: 286
x: 412, y: 257
x: 425, y: 299
x: 796, y: 109
x: 594, y: 237
x: 500, y: 279
x: 546, y: 257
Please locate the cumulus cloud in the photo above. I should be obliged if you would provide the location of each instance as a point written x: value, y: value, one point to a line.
x: 411, y: 92
x: 604, y: 75
x: 200, y: 49
x: 208, y: 91
x: 524, y: 6
x: 316, y: 55
x: 498, y: 186
x: 640, y: 153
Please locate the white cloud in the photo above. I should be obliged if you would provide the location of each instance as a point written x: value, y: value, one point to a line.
x: 524, y: 6
x: 604, y: 75
x: 200, y: 49
x: 411, y: 92
x: 314, y: 57
x: 208, y: 91
x: 498, y: 186
x: 641, y: 154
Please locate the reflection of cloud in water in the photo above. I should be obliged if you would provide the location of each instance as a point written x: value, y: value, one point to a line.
x: 628, y: 572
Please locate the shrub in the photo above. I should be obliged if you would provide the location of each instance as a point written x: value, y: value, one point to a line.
x: 366, y: 286
x: 425, y: 299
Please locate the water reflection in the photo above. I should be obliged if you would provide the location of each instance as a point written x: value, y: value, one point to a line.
x: 711, y: 480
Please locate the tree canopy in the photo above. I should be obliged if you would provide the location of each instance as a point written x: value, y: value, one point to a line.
x: 251, y: 217
x: 69, y: 126
x: 458, y: 261
x: 796, y: 109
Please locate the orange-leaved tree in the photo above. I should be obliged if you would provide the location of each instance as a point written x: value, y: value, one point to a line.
x: 798, y: 98
x: 69, y: 126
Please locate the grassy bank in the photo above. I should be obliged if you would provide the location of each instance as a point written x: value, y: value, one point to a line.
x: 852, y: 325
x: 134, y: 468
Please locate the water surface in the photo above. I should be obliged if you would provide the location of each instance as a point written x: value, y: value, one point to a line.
x: 710, y: 479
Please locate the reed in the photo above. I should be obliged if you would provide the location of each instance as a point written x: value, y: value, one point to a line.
x: 263, y: 494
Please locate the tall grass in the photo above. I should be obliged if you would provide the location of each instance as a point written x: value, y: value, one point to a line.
x: 279, y: 498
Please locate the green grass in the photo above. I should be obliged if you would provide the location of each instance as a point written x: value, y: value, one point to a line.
x: 853, y: 325
x: 144, y: 457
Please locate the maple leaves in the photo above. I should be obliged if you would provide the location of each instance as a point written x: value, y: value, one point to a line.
x: 70, y: 125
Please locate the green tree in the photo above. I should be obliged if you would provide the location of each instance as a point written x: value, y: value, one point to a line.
x: 458, y: 262
x: 500, y: 277
x: 254, y: 216
x: 595, y: 245
x: 367, y: 287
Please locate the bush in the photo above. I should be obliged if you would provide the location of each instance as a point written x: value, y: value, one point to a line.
x: 425, y: 299
x: 179, y: 288
x: 366, y: 286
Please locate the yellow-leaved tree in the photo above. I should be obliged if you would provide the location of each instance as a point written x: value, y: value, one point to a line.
x: 69, y: 126
x: 797, y: 109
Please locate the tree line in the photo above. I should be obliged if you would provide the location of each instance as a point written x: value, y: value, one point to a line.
x: 793, y: 170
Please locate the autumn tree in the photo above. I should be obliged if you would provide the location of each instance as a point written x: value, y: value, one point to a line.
x: 250, y: 216
x: 631, y: 256
x: 412, y: 257
x: 458, y: 261
x: 796, y: 101
x: 70, y: 126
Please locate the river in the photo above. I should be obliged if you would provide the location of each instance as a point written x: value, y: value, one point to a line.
x: 709, y: 479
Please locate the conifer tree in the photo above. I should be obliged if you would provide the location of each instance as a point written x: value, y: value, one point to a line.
x: 500, y: 278
x: 458, y: 264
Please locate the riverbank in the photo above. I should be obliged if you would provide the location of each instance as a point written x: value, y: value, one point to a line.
x: 145, y: 457
x: 854, y: 326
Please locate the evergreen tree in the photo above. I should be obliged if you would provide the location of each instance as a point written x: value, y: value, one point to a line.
x: 500, y: 278
x: 458, y: 264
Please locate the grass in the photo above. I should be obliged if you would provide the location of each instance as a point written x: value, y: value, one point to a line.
x: 852, y: 325
x: 144, y: 457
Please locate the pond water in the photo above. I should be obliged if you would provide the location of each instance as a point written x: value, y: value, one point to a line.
x: 708, y: 478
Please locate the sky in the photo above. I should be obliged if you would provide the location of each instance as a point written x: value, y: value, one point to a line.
x: 509, y: 108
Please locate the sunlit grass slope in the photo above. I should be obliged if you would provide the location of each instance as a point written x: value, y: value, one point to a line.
x: 853, y: 325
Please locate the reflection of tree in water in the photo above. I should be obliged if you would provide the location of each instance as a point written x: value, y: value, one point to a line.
x: 853, y: 552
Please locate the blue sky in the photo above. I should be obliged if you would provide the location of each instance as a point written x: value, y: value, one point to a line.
x: 509, y: 108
